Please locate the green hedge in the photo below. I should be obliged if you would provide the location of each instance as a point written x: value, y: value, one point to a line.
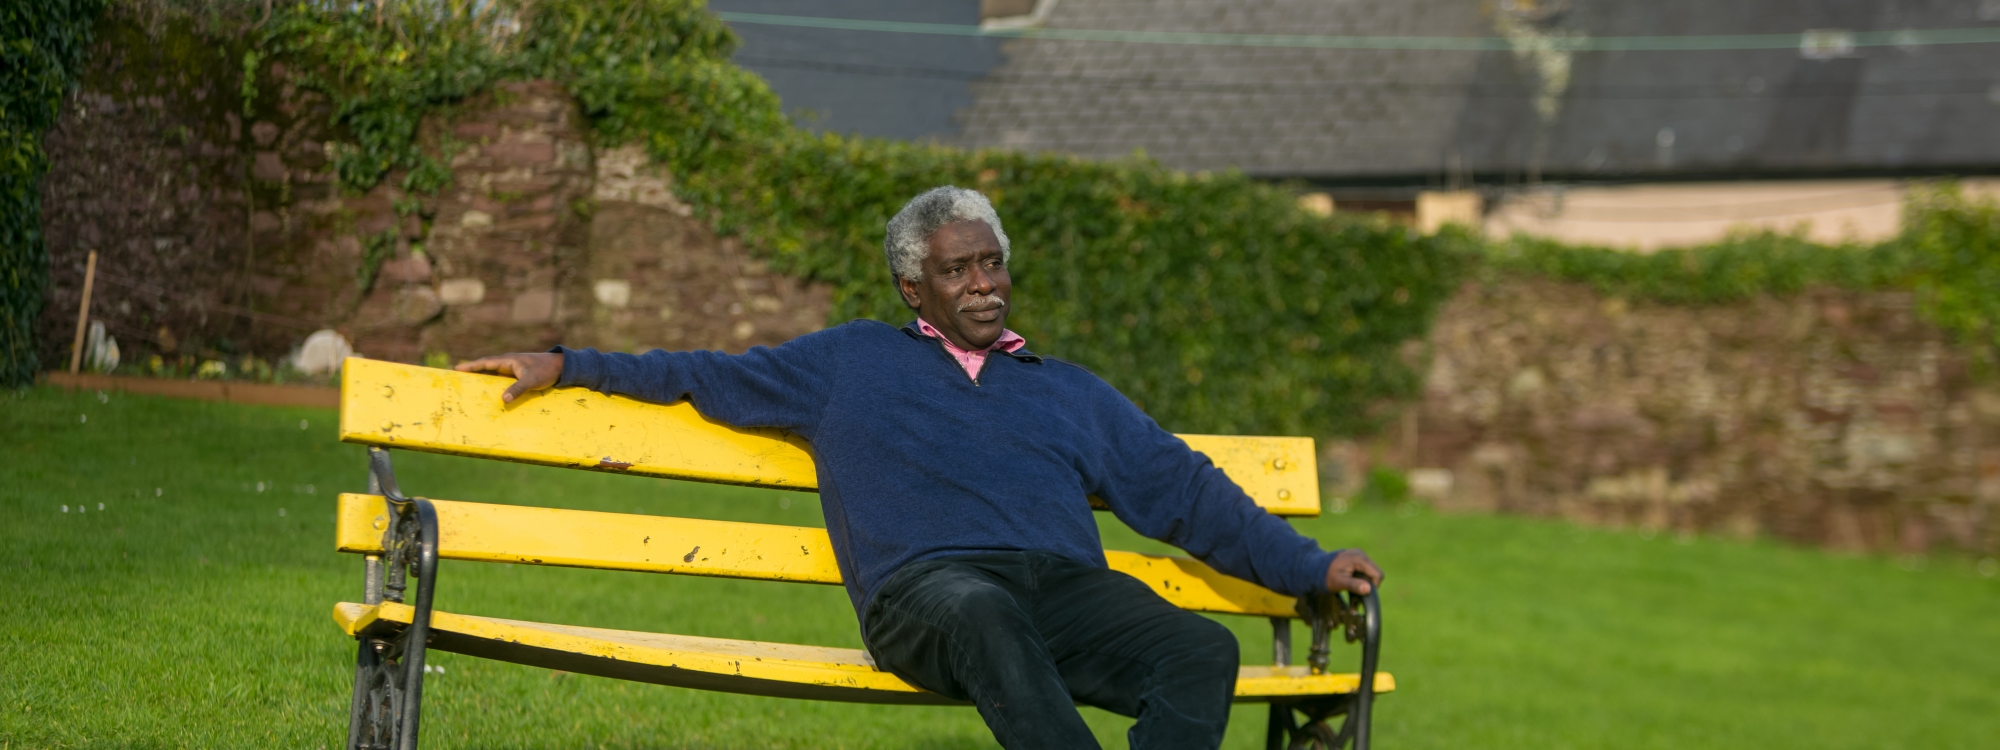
x: 1212, y: 300
x: 41, y: 44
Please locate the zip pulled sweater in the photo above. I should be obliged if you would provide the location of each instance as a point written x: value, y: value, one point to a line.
x: 917, y: 461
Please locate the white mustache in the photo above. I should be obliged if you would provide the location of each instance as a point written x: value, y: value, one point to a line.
x: 989, y: 303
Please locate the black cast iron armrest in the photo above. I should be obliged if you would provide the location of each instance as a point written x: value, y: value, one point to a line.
x: 1356, y: 618
x: 388, y: 679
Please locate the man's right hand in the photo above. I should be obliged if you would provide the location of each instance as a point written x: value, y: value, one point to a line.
x: 532, y: 371
x: 1352, y: 571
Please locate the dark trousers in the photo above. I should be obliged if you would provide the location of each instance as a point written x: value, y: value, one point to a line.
x: 1027, y: 635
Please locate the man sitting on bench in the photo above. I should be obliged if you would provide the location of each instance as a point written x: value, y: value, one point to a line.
x: 954, y: 468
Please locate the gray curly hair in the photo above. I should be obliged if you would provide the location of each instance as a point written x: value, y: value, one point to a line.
x: 910, y: 231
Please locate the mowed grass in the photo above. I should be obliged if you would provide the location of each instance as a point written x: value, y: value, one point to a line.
x: 183, y: 599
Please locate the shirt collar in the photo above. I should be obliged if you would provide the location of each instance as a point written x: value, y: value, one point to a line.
x: 1008, y: 341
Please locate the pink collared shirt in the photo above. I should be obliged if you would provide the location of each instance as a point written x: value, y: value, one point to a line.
x: 973, y: 361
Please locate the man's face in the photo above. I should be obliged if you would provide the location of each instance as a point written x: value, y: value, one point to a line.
x: 965, y: 288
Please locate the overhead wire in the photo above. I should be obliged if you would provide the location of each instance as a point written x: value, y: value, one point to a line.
x: 1319, y: 87
x: 1906, y: 38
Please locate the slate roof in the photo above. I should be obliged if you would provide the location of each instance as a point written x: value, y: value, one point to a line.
x: 1334, y: 115
x: 886, y: 84
x: 1263, y: 110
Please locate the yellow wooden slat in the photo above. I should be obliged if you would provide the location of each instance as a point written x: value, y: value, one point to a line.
x: 482, y: 532
x: 1280, y: 473
x: 726, y: 549
x: 1190, y: 584
x: 770, y: 669
x: 1254, y: 683
x: 442, y: 411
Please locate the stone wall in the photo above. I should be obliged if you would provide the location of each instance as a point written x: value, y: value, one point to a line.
x: 1831, y: 418
x: 222, y: 234
x: 154, y: 165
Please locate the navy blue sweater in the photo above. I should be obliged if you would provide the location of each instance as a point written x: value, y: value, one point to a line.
x: 917, y: 461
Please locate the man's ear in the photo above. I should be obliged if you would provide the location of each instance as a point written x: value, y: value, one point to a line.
x: 909, y: 290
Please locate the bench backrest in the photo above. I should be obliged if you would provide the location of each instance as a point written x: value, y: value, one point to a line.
x: 442, y: 411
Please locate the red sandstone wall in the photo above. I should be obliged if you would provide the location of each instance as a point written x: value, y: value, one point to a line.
x: 221, y: 235
x: 1831, y: 418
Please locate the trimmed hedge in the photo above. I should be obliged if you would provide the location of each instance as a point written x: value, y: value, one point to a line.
x: 41, y: 45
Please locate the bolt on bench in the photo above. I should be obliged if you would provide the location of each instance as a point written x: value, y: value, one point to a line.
x: 386, y: 405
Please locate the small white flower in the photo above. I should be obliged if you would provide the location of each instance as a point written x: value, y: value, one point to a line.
x: 100, y: 506
x: 103, y: 399
x: 310, y: 489
x: 83, y: 419
x: 65, y: 509
x: 260, y: 486
x: 440, y: 669
x: 158, y: 492
x: 302, y: 424
x: 281, y: 512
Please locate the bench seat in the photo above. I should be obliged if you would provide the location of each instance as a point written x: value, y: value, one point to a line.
x: 735, y: 666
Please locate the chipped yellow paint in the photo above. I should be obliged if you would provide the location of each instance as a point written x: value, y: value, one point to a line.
x: 727, y: 549
x: 779, y: 669
x: 1286, y: 682
x: 442, y: 411
x: 1189, y: 584
x: 1280, y: 473
x: 611, y: 541
x: 775, y: 669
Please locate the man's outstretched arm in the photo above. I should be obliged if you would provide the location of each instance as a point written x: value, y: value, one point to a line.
x: 783, y: 386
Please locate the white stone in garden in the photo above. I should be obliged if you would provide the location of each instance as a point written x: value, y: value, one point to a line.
x: 1430, y: 484
x: 462, y: 291
x: 322, y: 353
x: 615, y: 293
x: 100, y: 350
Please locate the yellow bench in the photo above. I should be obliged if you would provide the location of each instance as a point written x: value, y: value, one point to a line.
x: 386, y: 405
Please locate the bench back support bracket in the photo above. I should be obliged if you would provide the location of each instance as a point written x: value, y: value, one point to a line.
x: 389, y: 666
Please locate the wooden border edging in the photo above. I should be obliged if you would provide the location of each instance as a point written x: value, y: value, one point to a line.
x: 205, y: 390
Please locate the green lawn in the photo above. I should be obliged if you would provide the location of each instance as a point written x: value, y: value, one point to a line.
x: 183, y: 600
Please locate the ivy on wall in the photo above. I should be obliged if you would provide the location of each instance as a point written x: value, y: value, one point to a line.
x: 1212, y: 300
x: 1952, y: 247
x: 41, y: 45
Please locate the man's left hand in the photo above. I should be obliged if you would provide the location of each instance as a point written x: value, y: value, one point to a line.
x: 1352, y: 571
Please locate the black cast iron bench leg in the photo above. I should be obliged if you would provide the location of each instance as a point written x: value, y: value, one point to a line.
x: 389, y: 665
